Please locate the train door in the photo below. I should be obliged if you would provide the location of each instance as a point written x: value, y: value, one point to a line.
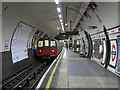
x: 46, y: 46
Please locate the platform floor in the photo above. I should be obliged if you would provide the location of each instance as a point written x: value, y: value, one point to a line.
x: 74, y: 71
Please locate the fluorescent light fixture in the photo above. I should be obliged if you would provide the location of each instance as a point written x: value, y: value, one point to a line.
x: 60, y: 16
x: 57, y: 1
x: 61, y: 23
x: 62, y: 27
x: 61, y: 20
x: 66, y: 24
x: 58, y: 9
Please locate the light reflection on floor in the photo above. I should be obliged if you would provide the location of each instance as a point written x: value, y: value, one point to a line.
x: 64, y: 55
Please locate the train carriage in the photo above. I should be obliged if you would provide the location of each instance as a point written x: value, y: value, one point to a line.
x: 48, y: 47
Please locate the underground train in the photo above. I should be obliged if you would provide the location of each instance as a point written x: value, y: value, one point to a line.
x: 48, y: 47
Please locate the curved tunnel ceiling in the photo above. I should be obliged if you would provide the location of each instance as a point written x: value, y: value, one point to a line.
x: 72, y: 8
x: 40, y: 15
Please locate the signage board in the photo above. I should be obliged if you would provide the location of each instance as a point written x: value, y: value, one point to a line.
x: 6, y: 45
x: 98, y: 50
x: 112, y: 31
x: 113, y: 53
x: 69, y: 33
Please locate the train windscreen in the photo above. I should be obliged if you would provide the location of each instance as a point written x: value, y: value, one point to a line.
x: 40, y: 44
x: 53, y: 44
x: 46, y: 43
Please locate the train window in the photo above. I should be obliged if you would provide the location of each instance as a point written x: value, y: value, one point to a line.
x: 46, y: 43
x: 40, y: 44
x: 53, y: 44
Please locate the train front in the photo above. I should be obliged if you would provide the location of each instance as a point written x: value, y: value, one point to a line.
x: 47, y: 48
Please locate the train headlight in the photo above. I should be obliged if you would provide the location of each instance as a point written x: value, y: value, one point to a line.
x: 53, y: 50
x: 40, y: 50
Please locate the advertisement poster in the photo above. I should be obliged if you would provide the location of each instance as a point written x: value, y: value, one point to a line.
x: 98, y: 46
x: 113, y: 53
x: 118, y: 62
x: 19, y: 42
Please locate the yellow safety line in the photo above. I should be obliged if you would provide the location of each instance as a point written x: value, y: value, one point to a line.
x: 51, y: 76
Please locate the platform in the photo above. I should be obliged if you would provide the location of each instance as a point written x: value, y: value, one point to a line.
x: 73, y: 71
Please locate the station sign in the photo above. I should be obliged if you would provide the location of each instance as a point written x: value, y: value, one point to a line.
x: 113, y: 56
x: 6, y: 45
x: 102, y: 34
x: 112, y: 31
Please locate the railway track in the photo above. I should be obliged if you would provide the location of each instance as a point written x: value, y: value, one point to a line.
x: 28, y: 78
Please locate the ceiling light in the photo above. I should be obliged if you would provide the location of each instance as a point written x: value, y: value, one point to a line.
x: 62, y: 27
x: 61, y: 20
x: 57, y: 1
x: 61, y: 23
x: 58, y: 9
x: 66, y: 24
x: 60, y: 16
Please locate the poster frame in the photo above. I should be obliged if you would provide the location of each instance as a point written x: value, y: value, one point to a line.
x: 94, y: 47
x: 110, y: 53
x: 116, y: 69
x: 13, y: 36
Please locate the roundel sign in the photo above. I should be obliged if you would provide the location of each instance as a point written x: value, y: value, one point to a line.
x: 113, y: 52
x: 113, y: 56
